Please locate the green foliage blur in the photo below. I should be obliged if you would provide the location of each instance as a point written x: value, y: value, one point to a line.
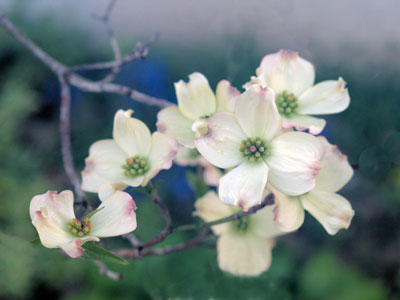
x: 360, y: 263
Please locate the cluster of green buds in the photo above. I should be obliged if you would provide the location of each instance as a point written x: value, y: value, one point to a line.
x: 135, y: 166
x: 253, y: 149
x: 287, y: 103
x: 242, y: 224
x: 79, y: 228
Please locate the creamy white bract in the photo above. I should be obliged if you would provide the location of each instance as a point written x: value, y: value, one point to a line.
x: 292, y: 79
x: 131, y: 158
x: 251, y: 142
x: 196, y: 101
x: 53, y: 216
x: 332, y: 210
x: 244, y: 246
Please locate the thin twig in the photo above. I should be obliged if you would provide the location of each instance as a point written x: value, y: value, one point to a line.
x: 267, y: 201
x: 140, y: 51
x: 75, y: 80
x: 197, y: 241
x: 68, y: 161
x: 105, y: 19
x: 104, y: 271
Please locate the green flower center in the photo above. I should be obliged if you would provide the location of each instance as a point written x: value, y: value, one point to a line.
x: 135, y: 166
x: 242, y: 224
x: 253, y: 149
x: 286, y: 103
x: 79, y: 228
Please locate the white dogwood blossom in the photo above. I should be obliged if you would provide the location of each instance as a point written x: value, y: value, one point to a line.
x: 292, y: 79
x: 244, y: 246
x: 252, y: 143
x: 53, y: 216
x: 132, y: 158
x: 196, y: 100
x: 332, y: 210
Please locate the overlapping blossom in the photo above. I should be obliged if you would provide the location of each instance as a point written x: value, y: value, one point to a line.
x: 332, y: 210
x: 251, y: 141
x: 131, y: 158
x: 53, y: 216
x: 292, y: 79
x: 244, y: 246
x: 196, y: 101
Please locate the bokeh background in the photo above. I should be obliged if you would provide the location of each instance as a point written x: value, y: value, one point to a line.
x: 358, y: 40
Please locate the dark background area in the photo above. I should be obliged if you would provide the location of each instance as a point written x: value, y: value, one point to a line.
x: 362, y: 262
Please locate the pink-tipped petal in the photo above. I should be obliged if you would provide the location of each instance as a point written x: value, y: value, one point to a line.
x: 226, y: 95
x: 303, y: 122
x: 294, y: 162
x: 286, y: 71
x: 244, y: 185
x: 335, y: 170
x: 116, y: 216
x: 333, y: 211
x: 221, y: 144
x: 327, y: 97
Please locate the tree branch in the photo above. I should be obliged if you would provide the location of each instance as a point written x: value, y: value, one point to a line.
x: 66, y: 142
x: 75, y: 80
x: 267, y: 201
x: 104, y: 271
x: 197, y: 241
x: 105, y: 19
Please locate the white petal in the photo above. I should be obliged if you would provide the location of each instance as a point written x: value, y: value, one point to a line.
x: 50, y: 213
x: 303, y: 122
x: 210, y: 208
x: 288, y: 212
x: 163, y: 152
x: 116, y: 217
x: 131, y: 134
x: 244, y: 185
x: 293, y: 162
x: 221, y: 145
x: 333, y: 211
x: 244, y: 254
x: 327, y: 97
x: 262, y: 223
x: 335, y: 169
x: 286, y: 71
x: 171, y: 122
x: 104, y: 166
x: 73, y: 248
x: 195, y: 98
x: 257, y: 114
x: 105, y: 191
x: 58, y: 206
x: 226, y: 96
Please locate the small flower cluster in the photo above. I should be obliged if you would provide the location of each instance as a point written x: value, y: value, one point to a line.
x: 250, y: 143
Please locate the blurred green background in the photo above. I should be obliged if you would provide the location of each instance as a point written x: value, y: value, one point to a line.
x: 360, y: 263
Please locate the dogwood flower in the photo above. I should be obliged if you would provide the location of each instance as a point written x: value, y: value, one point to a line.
x: 251, y: 141
x: 196, y: 100
x: 332, y: 210
x: 53, y: 216
x: 131, y: 158
x: 292, y: 79
x: 244, y: 246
